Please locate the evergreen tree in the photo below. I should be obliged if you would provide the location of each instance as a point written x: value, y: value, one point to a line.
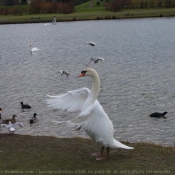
x: 23, y: 2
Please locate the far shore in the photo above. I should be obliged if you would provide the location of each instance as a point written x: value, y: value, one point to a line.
x: 92, y: 15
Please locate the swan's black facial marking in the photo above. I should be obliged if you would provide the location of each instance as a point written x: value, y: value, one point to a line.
x: 83, y: 73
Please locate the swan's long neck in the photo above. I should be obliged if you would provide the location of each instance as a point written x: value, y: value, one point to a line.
x: 94, y: 91
x: 95, y: 87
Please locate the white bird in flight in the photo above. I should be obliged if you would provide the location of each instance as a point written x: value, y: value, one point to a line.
x: 54, y: 20
x: 11, y: 126
x: 92, y: 118
x: 95, y: 60
x: 89, y: 43
x: 64, y: 72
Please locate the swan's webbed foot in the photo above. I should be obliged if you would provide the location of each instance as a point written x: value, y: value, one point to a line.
x: 98, y: 154
x: 101, y: 155
x: 102, y: 158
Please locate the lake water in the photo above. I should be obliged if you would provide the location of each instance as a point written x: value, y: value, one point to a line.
x: 137, y: 75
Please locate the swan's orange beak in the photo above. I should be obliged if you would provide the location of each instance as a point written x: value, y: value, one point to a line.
x: 81, y: 75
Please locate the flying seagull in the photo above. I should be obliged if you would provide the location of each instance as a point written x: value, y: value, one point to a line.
x: 89, y: 43
x: 95, y: 60
x: 54, y: 20
x: 64, y: 72
x: 11, y: 126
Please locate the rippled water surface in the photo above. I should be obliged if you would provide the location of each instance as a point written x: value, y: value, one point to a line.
x: 137, y: 75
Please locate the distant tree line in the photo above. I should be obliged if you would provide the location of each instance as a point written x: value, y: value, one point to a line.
x: 48, y: 6
x: 12, y: 7
x: 25, y: 2
x: 116, y: 5
x: 36, y: 6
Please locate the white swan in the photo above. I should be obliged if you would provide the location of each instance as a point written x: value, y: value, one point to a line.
x: 92, y: 118
x: 34, y: 49
x: 11, y: 126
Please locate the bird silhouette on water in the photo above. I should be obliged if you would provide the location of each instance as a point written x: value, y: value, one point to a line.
x: 25, y: 106
x: 158, y: 114
x: 34, y: 119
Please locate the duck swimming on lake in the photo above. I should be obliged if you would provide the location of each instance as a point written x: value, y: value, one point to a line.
x: 92, y: 117
x: 34, y: 119
x: 13, y: 120
x: 25, y: 106
x: 158, y: 115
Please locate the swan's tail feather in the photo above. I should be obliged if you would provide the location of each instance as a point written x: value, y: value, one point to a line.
x: 118, y: 144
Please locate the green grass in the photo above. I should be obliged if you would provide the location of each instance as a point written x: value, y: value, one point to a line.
x: 88, y: 11
x: 91, y: 6
x: 50, y: 155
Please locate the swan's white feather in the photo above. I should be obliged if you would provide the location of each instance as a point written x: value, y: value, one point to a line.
x: 95, y: 120
x: 71, y: 101
x: 35, y: 49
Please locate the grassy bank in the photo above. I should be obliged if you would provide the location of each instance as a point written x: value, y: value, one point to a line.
x: 49, y: 155
x: 85, y: 13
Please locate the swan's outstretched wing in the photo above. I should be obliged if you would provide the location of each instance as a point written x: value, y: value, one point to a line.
x: 96, y: 123
x: 35, y: 49
x: 71, y: 101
